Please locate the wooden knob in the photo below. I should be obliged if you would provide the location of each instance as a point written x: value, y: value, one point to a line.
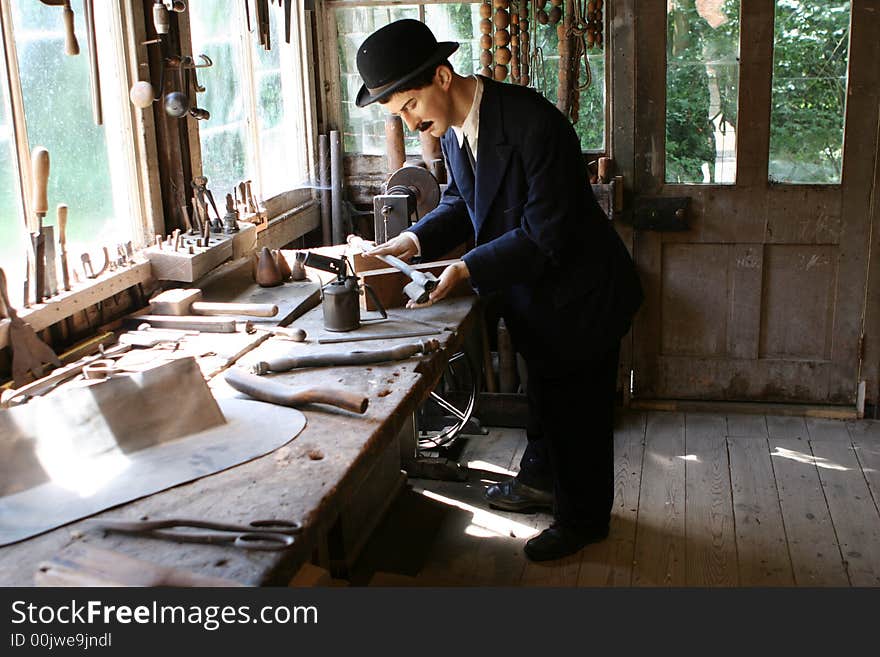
x: 71, y: 47
x: 40, y: 172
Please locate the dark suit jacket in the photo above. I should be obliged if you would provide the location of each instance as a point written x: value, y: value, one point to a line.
x: 567, y: 285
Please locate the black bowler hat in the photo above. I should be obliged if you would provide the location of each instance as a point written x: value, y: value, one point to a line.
x: 394, y: 55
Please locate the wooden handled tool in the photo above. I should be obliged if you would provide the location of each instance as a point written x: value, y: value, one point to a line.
x: 277, y: 393
x: 188, y: 302
x: 62, y: 243
x: 71, y: 47
x: 29, y: 353
x: 40, y: 202
x: 203, y: 324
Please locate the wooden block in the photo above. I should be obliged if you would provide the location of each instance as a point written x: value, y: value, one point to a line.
x: 170, y: 265
x: 83, y: 565
x: 388, y: 284
x: 310, y: 575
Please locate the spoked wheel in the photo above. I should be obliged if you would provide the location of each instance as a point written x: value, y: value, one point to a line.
x: 450, y: 405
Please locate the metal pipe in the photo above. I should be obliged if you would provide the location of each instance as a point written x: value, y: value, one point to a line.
x: 324, y: 182
x: 336, y: 186
x: 400, y: 352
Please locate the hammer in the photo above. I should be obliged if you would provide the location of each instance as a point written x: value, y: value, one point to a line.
x: 188, y: 302
x: 421, y: 283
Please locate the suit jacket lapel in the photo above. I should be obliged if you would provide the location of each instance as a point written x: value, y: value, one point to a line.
x: 493, y: 153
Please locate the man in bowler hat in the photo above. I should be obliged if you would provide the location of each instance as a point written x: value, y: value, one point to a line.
x: 544, y: 251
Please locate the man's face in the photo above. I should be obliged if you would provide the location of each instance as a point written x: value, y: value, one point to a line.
x: 424, y: 110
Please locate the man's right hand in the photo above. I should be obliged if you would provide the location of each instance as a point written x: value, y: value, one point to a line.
x: 405, y: 246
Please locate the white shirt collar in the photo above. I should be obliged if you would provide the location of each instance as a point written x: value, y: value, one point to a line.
x: 471, y: 125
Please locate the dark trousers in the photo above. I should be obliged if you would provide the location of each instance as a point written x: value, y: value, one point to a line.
x: 571, y: 439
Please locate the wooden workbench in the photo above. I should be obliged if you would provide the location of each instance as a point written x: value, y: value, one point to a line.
x: 316, y: 479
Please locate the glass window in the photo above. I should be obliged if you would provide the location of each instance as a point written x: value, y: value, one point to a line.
x: 91, y: 166
x: 811, y: 48
x: 365, y: 127
x: 258, y: 129
x: 702, y: 84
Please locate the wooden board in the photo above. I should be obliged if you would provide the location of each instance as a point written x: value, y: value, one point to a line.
x: 853, y: 511
x: 760, y: 533
x: 660, y: 541
x: 711, y: 538
x: 236, y: 284
x: 812, y: 542
x: 610, y: 563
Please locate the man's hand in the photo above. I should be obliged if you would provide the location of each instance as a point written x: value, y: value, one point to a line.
x: 450, y: 277
x: 404, y: 246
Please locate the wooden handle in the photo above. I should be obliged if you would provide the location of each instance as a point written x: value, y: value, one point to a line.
x: 277, y: 393
x: 71, y: 47
x: 250, y: 309
x: 40, y: 173
x: 62, y: 224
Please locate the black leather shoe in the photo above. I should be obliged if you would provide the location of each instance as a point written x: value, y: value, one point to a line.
x: 513, y: 495
x: 559, y: 541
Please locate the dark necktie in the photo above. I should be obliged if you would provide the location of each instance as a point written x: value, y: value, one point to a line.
x: 466, y: 147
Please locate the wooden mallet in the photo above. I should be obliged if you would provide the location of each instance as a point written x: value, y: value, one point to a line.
x: 189, y: 302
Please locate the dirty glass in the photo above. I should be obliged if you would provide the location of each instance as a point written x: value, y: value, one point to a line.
x: 702, y: 84
x: 12, y: 232
x: 810, y: 53
x: 223, y: 137
x: 365, y: 128
x: 58, y: 113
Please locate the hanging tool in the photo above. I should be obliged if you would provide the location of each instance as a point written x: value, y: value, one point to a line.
x: 267, y: 535
x: 421, y: 283
x: 183, y: 301
x: 287, y: 17
x: 339, y: 298
x: 263, y: 389
x: 29, y: 353
x: 71, y: 47
x: 400, y: 352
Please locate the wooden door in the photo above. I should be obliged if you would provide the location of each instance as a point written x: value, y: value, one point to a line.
x: 762, y: 298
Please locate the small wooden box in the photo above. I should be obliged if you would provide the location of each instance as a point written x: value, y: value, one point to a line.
x: 170, y: 265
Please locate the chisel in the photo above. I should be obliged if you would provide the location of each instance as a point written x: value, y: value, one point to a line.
x: 40, y: 179
x: 62, y: 242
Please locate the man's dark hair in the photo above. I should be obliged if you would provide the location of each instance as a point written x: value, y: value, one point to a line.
x: 422, y: 80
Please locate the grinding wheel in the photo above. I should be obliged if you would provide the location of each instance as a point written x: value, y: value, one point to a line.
x: 421, y: 182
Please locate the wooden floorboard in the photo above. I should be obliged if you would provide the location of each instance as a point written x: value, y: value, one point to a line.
x: 762, y: 551
x: 700, y: 500
x: 710, y: 533
x: 865, y: 438
x: 812, y: 542
x: 853, y: 512
x: 660, y: 532
x: 610, y: 563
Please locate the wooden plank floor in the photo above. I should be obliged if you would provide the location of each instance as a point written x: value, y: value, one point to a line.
x: 700, y: 500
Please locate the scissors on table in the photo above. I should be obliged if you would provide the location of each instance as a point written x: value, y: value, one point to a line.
x: 265, y: 535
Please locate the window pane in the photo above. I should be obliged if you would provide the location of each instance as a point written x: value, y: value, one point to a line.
x: 811, y: 47
x: 12, y: 232
x: 365, y: 127
x: 223, y: 137
x: 702, y: 83
x: 545, y: 78
x: 58, y: 112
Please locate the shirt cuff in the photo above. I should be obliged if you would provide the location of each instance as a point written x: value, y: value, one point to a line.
x: 415, y: 240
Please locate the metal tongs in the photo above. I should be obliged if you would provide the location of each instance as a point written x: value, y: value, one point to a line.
x: 266, y: 535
